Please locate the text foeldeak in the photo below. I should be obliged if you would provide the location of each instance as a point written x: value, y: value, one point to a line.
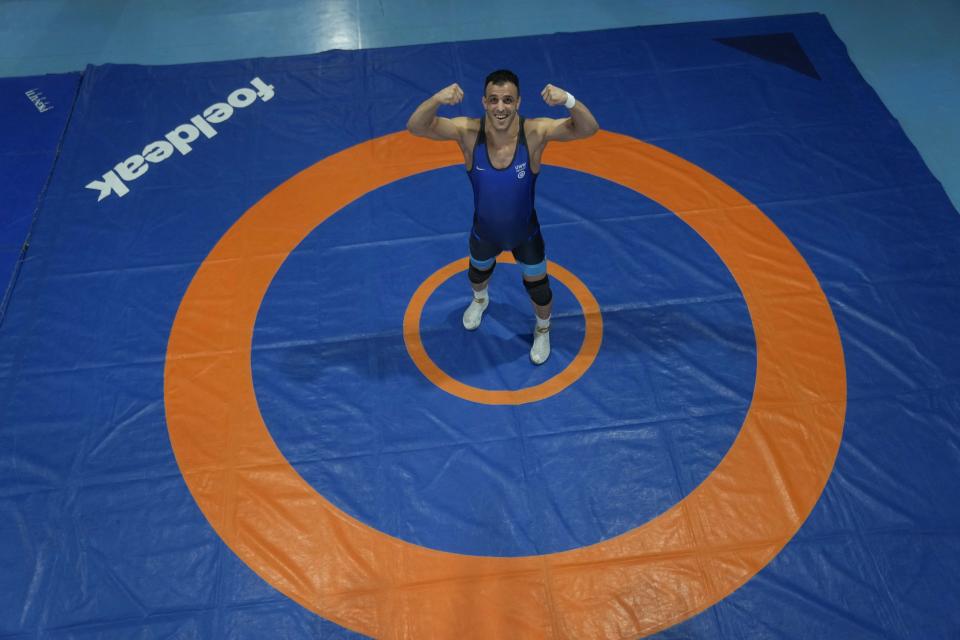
x: 179, y: 139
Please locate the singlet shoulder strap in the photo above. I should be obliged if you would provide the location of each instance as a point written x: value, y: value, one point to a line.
x: 523, y: 132
x: 481, y: 133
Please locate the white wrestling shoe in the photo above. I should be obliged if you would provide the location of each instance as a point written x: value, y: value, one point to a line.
x: 540, y: 350
x: 474, y: 312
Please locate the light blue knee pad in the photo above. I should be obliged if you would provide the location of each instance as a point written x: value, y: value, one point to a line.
x: 534, y: 269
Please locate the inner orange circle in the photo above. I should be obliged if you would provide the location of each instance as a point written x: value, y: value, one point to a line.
x: 679, y: 563
x: 593, y: 336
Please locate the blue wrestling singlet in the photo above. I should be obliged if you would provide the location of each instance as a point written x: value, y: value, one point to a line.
x: 503, y: 212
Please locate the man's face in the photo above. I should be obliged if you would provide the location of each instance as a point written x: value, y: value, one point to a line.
x: 501, y: 102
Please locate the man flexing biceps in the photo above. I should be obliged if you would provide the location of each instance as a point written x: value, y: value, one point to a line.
x: 502, y: 152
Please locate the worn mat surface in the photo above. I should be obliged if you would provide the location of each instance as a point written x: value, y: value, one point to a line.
x: 236, y: 399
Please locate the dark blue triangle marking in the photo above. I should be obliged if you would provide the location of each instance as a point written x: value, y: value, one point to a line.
x: 779, y: 48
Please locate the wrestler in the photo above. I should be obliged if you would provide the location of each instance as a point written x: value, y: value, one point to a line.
x: 502, y: 152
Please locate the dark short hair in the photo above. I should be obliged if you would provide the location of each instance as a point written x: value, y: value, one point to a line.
x: 501, y: 76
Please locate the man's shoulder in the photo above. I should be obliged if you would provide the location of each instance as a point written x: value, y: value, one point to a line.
x: 471, y: 125
x: 465, y: 126
x: 535, y: 130
x: 469, y: 128
x: 538, y: 124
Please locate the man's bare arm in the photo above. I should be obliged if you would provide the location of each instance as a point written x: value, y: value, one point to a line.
x: 580, y: 124
x: 426, y: 123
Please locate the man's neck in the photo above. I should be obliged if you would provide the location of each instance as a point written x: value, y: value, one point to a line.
x: 500, y: 138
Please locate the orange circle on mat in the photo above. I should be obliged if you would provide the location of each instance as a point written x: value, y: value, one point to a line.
x: 593, y: 336
x: 679, y: 563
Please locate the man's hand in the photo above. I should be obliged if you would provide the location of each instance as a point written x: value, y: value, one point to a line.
x: 449, y: 95
x: 553, y: 96
x: 426, y: 123
x: 580, y: 124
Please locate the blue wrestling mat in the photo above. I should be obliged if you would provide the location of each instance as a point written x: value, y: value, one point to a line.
x: 33, y: 113
x: 238, y: 402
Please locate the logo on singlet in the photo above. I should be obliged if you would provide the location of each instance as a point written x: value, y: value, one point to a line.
x: 521, y: 170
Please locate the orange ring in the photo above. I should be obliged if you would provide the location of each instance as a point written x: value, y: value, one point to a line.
x: 651, y: 577
x: 593, y: 336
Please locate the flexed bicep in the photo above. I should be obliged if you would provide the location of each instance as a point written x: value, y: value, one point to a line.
x: 580, y: 124
x: 426, y: 123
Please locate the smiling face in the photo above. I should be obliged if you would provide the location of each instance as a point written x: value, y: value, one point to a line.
x: 501, y: 101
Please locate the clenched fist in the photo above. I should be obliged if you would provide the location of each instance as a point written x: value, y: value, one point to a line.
x: 553, y: 96
x: 449, y: 95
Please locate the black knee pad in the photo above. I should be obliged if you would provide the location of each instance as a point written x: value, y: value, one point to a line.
x: 479, y: 277
x: 539, y: 291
